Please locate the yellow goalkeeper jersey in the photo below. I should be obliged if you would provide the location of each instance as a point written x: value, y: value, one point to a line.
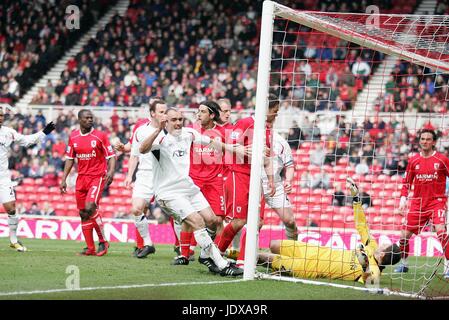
x: 305, y: 260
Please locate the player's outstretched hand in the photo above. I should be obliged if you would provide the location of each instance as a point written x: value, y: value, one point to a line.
x: 128, y: 181
x: 63, y: 187
x: 49, y: 128
x: 119, y: 146
x: 109, y: 177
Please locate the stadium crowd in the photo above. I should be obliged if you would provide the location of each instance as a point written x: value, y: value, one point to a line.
x: 34, y: 35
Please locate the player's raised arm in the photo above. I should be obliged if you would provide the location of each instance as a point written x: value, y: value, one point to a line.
x: 146, y: 144
x: 27, y: 140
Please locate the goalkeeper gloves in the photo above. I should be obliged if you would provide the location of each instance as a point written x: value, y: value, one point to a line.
x: 362, y: 257
x: 49, y: 128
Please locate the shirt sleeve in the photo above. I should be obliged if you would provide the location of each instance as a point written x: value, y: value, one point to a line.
x: 158, y: 141
x: 70, y: 152
x: 27, y: 140
x: 407, y: 180
x: 286, y: 155
x: 198, y: 137
x: 109, y: 152
x: 135, y: 143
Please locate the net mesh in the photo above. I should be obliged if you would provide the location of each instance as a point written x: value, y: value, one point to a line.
x: 355, y: 90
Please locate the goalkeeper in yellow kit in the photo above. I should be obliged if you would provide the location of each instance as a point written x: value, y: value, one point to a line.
x: 364, y: 264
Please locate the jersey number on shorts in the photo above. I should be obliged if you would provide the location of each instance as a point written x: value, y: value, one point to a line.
x: 94, y: 191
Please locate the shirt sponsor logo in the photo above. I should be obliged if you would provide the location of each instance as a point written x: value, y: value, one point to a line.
x: 86, y: 156
x: 427, y: 177
x: 179, y: 153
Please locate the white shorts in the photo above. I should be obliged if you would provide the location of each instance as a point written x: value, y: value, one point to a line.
x: 183, y: 206
x: 279, y: 200
x: 143, y: 186
x: 7, y: 193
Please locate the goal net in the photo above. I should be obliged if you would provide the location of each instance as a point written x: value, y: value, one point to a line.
x: 354, y: 92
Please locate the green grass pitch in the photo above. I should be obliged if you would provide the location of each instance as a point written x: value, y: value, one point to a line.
x: 40, y: 273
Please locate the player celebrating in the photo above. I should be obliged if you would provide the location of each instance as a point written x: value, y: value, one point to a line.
x: 175, y: 190
x: 239, y: 175
x: 143, y: 190
x: 96, y: 164
x: 365, y: 264
x: 426, y: 172
x: 7, y: 194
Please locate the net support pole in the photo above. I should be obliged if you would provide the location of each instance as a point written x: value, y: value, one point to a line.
x: 263, y: 78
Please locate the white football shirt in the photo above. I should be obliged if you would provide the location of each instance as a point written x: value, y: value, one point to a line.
x: 9, y: 136
x: 145, y: 159
x: 282, y: 158
x: 171, y: 163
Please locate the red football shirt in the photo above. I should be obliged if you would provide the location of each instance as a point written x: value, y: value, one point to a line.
x: 139, y: 123
x: 206, y: 162
x: 427, y: 176
x: 91, y: 149
x: 227, y: 157
x: 243, y: 135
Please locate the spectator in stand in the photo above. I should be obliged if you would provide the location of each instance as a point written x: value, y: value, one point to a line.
x: 306, y: 180
x: 321, y: 180
x: 50, y: 177
x: 361, y: 69
x: 47, y: 209
x: 295, y: 136
x: 362, y: 168
x: 317, y: 155
x: 33, y: 210
x: 339, y: 197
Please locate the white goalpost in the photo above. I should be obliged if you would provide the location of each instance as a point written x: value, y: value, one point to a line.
x: 313, y: 62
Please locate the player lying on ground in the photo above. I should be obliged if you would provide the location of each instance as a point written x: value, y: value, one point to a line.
x: 9, y: 136
x: 364, y: 264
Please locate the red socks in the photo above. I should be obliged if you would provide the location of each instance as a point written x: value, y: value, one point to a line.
x: 88, y: 232
x: 186, y: 238
x: 98, y: 225
x: 139, y: 240
x: 224, y: 240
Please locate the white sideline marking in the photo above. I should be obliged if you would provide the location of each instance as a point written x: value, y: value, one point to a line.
x: 117, y: 287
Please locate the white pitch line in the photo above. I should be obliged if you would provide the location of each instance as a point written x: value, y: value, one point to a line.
x: 17, y: 293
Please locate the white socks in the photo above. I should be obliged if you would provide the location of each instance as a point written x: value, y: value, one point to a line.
x: 208, y: 248
x: 13, y: 221
x: 141, y: 224
x: 178, y: 228
x: 404, y: 262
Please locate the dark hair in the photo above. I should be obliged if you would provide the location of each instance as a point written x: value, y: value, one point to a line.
x: 214, y: 108
x: 434, y: 135
x: 81, y: 112
x: 392, y: 255
x: 273, y: 100
x: 154, y: 103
